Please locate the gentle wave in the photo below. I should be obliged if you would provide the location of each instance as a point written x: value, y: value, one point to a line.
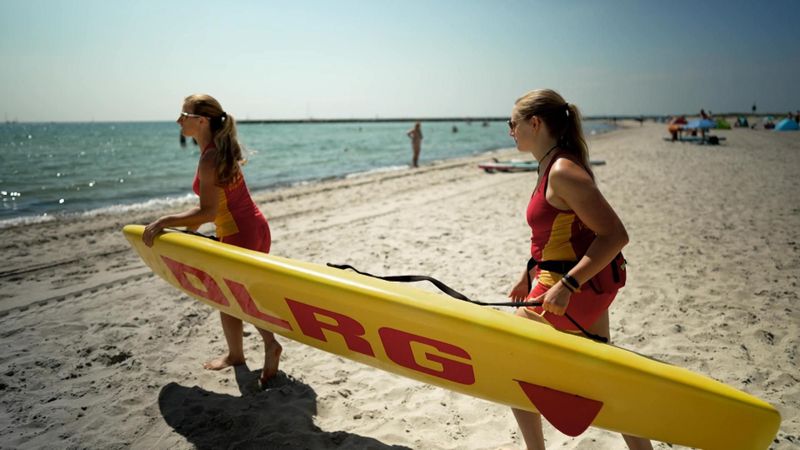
x: 152, y: 204
x: 376, y: 171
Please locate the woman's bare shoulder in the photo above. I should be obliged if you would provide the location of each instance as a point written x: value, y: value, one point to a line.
x: 568, y: 166
x: 208, y: 162
x: 568, y: 171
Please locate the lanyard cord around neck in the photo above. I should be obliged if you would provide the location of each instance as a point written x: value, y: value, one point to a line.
x: 539, y: 169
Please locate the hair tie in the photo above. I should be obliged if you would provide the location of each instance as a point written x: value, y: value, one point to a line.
x: 223, y: 116
x: 566, y: 108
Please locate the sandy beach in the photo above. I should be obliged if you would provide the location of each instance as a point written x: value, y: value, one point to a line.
x: 99, y: 353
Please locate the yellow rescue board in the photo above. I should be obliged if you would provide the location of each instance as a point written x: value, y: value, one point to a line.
x: 478, y: 351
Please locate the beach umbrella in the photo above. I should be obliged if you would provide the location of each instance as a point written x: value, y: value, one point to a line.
x: 787, y: 125
x: 700, y: 124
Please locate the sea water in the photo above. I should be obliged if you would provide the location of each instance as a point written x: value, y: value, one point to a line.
x: 51, y: 169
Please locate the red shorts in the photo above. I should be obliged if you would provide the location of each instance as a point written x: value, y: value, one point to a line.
x: 585, y: 307
x: 254, y: 237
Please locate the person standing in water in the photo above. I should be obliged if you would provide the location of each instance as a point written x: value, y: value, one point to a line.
x: 571, y: 222
x: 225, y: 200
x: 415, y: 134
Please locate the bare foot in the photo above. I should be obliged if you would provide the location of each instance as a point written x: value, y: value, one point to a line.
x: 272, y: 356
x: 223, y: 362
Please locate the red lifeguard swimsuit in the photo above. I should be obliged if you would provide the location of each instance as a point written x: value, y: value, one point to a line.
x: 559, y: 235
x: 238, y: 221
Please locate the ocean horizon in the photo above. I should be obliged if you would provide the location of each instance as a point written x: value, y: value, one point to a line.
x: 55, y: 169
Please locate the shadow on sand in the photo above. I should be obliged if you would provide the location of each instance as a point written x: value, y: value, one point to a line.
x: 279, y: 416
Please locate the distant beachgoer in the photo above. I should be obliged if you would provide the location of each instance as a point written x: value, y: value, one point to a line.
x: 571, y: 222
x: 675, y: 127
x: 754, y: 108
x: 225, y: 200
x: 455, y: 129
x: 415, y: 134
x: 703, y: 114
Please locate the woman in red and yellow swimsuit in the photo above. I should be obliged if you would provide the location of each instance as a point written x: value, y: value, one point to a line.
x: 570, y: 221
x: 225, y: 200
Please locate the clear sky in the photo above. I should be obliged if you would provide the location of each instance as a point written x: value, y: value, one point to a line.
x: 103, y: 60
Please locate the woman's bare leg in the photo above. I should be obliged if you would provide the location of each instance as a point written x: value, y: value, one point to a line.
x: 601, y: 327
x: 530, y: 423
x: 232, y: 328
x: 272, y: 355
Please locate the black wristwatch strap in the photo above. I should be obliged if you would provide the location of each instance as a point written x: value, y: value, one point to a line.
x: 571, y: 282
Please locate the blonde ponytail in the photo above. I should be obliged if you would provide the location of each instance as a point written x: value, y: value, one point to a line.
x: 223, y: 131
x: 230, y: 157
x: 561, y: 118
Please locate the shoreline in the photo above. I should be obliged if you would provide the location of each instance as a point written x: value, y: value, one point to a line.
x: 29, y: 198
x: 110, y: 356
x: 181, y: 200
x: 73, y: 225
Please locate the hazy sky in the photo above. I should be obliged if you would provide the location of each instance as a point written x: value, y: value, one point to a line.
x: 136, y: 60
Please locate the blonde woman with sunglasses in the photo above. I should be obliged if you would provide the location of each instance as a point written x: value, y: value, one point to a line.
x: 576, y: 235
x: 224, y: 200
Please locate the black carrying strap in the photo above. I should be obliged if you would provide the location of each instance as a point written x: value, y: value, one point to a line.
x: 408, y: 279
x: 195, y: 233
x: 455, y: 294
x: 442, y: 287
